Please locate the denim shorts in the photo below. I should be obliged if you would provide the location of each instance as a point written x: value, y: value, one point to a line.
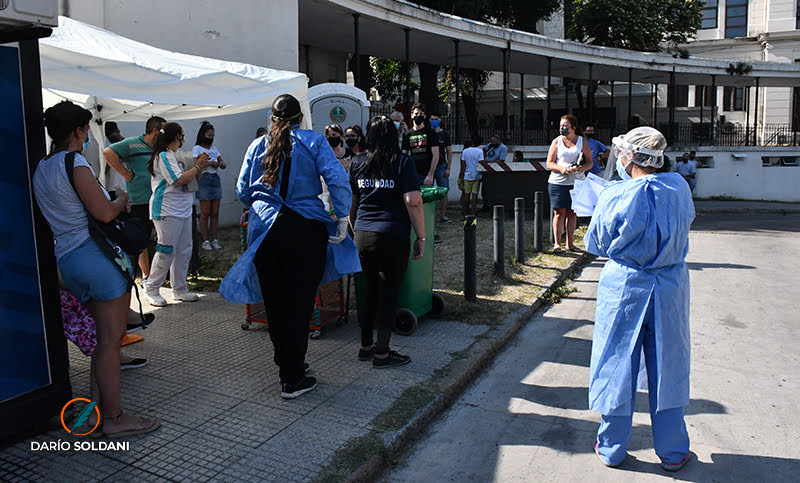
x: 89, y: 275
x: 209, y: 187
x: 439, y: 176
x: 559, y: 196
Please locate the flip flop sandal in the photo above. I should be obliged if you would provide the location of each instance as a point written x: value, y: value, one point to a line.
x: 558, y: 250
x: 141, y: 427
x: 576, y: 250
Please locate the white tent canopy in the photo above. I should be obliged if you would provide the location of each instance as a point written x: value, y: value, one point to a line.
x: 124, y: 80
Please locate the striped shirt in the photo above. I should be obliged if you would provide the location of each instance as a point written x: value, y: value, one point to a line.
x: 168, y: 199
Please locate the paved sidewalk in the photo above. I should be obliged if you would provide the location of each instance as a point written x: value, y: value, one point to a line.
x: 718, y: 207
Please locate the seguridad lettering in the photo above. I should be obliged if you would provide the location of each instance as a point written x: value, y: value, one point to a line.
x: 376, y: 183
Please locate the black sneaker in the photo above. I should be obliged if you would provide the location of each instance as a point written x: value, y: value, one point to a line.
x: 392, y: 359
x: 306, y: 368
x: 437, y: 239
x: 148, y: 319
x: 366, y: 354
x: 291, y: 391
x: 133, y: 364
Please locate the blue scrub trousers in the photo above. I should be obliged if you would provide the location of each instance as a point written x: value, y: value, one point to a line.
x: 670, y: 438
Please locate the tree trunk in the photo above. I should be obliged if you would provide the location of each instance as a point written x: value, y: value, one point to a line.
x: 429, y: 86
x: 471, y: 114
x: 365, y: 81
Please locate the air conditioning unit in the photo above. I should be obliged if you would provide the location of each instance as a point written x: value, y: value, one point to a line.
x: 16, y: 14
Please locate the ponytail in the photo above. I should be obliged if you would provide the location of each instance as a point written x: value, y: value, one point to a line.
x: 278, y: 151
x: 166, y: 135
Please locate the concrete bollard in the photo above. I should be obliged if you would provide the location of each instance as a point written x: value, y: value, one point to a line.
x: 499, y: 240
x: 519, y: 229
x: 470, y: 258
x: 538, y: 221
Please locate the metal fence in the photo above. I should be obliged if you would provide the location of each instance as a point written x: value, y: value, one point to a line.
x: 683, y: 134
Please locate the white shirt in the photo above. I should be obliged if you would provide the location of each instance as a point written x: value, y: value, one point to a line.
x: 59, y: 202
x: 471, y: 157
x: 213, y: 155
x: 685, y: 169
x: 113, y: 178
x: 168, y: 199
x: 564, y: 157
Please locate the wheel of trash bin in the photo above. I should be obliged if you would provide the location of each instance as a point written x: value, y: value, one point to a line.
x: 405, y: 322
x: 245, y: 325
x: 438, y: 306
x: 315, y: 334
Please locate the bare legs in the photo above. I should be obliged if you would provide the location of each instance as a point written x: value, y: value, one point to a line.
x: 144, y: 264
x: 209, y: 215
x: 560, y: 215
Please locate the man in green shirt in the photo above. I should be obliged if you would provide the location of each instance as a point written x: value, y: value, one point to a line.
x: 129, y: 158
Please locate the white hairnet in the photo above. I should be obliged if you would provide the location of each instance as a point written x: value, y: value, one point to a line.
x: 646, y: 144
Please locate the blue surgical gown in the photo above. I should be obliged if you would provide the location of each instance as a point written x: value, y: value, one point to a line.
x: 312, y: 157
x: 642, y: 226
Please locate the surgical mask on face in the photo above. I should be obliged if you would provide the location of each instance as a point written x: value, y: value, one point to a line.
x: 351, y: 142
x: 88, y: 143
x: 209, y: 140
x: 334, y: 141
x: 418, y: 120
x: 621, y: 171
x: 396, y: 124
x: 564, y: 131
x: 589, y: 135
x: 435, y: 124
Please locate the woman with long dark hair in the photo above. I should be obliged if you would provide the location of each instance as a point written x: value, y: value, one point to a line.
x: 209, y: 191
x: 354, y: 139
x: 386, y: 204
x: 293, y: 243
x: 171, y: 212
x: 86, y: 271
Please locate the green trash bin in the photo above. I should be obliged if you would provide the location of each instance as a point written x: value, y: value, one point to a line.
x: 416, y: 293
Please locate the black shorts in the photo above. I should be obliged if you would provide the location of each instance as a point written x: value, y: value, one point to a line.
x: 143, y: 213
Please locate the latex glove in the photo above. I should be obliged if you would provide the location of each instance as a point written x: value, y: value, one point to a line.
x: 341, y: 232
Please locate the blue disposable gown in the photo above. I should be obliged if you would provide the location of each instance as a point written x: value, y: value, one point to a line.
x: 642, y: 225
x: 312, y: 157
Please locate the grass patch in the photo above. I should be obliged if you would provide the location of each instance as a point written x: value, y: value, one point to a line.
x: 355, y: 453
x: 554, y: 296
x: 405, y: 407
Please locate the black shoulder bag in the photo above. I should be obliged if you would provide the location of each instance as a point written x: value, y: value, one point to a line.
x: 123, y: 234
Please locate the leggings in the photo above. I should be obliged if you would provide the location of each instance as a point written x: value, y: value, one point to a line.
x: 290, y: 263
x: 384, y: 259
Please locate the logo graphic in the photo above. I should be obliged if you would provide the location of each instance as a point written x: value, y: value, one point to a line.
x: 338, y: 114
x: 82, y: 417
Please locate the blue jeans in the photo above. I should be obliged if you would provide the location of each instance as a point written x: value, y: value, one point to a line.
x: 441, y: 179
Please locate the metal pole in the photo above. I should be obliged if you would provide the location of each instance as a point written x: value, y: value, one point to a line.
x: 505, y: 94
x: 407, y: 68
x: 458, y: 97
x: 521, y: 108
x: 357, y: 50
x: 655, y: 106
x: 747, y: 118
x: 702, y: 103
x: 672, y: 103
x: 755, y: 116
x: 713, y: 105
x: 630, y: 96
x: 499, y: 239
x: 307, y: 55
x: 519, y: 229
x: 549, y: 99
x: 538, y: 220
x: 612, y: 105
x: 589, y: 96
x: 565, y: 81
x: 470, y: 257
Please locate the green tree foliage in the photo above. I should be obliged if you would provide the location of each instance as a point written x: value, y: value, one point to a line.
x: 643, y: 25
x: 389, y: 78
x: 517, y: 14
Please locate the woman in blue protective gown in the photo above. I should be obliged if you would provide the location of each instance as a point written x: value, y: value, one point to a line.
x: 642, y: 225
x: 294, y: 244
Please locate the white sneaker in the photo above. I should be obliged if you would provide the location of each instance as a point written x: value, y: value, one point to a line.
x: 207, y: 245
x: 144, y: 281
x: 156, y: 300
x: 216, y: 245
x: 185, y: 296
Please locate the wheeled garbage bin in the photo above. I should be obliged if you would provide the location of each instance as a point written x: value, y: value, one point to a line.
x: 416, y: 293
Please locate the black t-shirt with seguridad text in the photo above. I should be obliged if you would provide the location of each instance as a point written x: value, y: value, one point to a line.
x: 381, y: 206
x: 420, y: 144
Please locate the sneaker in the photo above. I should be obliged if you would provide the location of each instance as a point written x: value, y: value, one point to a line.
x: 148, y: 319
x: 207, y: 245
x: 156, y: 300
x: 677, y: 466
x: 141, y: 284
x: 445, y: 219
x: 392, y: 359
x: 366, y: 354
x: 216, y: 245
x: 306, y: 367
x: 185, y: 296
x: 291, y: 391
x: 602, y: 460
x: 437, y: 239
x: 133, y: 364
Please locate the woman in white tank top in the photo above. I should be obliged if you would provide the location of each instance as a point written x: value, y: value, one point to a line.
x: 562, y: 159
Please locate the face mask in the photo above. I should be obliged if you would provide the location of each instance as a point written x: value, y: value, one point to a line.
x: 589, y: 135
x: 435, y: 124
x: 564, y: 131
x: 335, y: 141
x: 418, y: 120
x: 351, y: 142
x: 621, y: 171
x: 209, y: 140
x: 88, y: 142
x: 397, y: 124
